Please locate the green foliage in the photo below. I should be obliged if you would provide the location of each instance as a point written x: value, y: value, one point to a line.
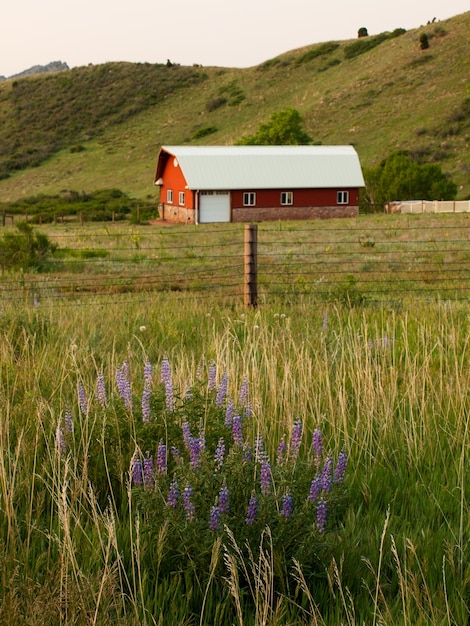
x: 398, y: 177
x: 362, y: 32
x: 364, y: 44
x: 25, y: 249
x: 423, y: 41
x: 233, y: 93
x: 215, y: 103
x: 37, y: 123
x: 285, y: 127
x: 205, y: 131
x: 102, y: 205
x: 322, y: 50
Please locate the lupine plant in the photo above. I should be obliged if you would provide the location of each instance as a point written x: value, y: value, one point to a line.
x: 200, y: 472
x: 212, y: 473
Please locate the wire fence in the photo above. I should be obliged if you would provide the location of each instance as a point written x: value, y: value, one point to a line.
x: 391, y: 258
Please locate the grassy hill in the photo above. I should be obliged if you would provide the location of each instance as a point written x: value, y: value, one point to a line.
x: 101, y: 126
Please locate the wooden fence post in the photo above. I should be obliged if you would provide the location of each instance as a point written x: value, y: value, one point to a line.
x: 251, y: 265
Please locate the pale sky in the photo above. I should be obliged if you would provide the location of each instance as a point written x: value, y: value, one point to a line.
x: 227, y: 33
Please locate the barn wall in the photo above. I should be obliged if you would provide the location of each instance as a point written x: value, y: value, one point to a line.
x: 257, y: 214
x: 266, y: 198
x: 173, y: 178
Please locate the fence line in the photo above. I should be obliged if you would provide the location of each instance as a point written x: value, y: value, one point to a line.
x: 363, y: 261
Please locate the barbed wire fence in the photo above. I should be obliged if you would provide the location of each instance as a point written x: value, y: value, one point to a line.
x: 253, y: 264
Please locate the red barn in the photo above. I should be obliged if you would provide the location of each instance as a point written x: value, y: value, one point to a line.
x: 255, y: 183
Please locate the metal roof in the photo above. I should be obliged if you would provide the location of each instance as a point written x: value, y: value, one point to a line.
x: 266, y: 167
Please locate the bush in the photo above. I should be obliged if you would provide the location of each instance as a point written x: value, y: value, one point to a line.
x: 423, y: 41
x: 25, y: 249
x: 215, y: 103
x: 203, y: 132
x: 319, y: 51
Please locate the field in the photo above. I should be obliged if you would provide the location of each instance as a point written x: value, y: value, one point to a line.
x: 97, y: 388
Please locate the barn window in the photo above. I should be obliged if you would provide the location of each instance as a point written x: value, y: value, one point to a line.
x: 181, y: 198
x: 287, y: 197
x: 169, y: 196
x: 342, y: 197
x: 249, y: 198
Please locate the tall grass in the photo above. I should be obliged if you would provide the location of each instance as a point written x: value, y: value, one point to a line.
x: 391, y: 385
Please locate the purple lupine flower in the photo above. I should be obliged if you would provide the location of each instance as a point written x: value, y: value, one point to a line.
x: 146, y: 406
x: 281, y: 452
x: 219, y: 454
x: 176, y: 454
x: 161, y: 458
x: 247, y: 454
x: 146, y: 393
x: 202, y: 440
x: 194, y: 453
x: 287, y: 505
x: 296, y: 439
x: 259, y: 449
x: 325, y: 322
x: 214, y: 522
x: 237, y: 430
x: 167, y: 380
x: 173, y: 494
x: 35, y: 301
x: 60, y: 440
x: 68, y: 421
x: 137, y: 471
x: 326, y: 474
x: 124, y: 384
x: 222, y: 391
x: 340, y: 468
x: 148, y: 471
x: 211, y: 383
x: 200, y: 367
x: 265, y: 477
x: 82, y: 399
x: 188, y: 504
x: 224, y: 496
x: 322, y: 513
x: 243, y: 397
x: 248, y: 412
x: 186, y: 430
x: 315, y: 489
x: 188, y: 394
x: 101, y: 391
x: 229, y: 412
x: 317, y: 444
x: 251, y: 511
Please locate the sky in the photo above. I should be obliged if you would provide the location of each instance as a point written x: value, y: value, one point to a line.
x: 226, y: 33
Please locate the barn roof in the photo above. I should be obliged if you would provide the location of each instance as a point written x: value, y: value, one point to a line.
x: 264, y: 167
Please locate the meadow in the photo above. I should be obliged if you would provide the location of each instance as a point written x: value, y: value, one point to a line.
x: 182, y: 460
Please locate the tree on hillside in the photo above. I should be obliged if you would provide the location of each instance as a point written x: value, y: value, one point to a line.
x: 362, y: 32
x: 398, y: 177
x: 284, y: 127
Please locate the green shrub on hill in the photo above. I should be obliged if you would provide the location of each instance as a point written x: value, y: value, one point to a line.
x: 102, y: 205
x: 25, y: 248
x: 364, y: 44
x: 284, y: 127
x: 319, y: 51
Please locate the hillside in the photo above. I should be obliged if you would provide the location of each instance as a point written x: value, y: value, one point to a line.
x: 101, y: 126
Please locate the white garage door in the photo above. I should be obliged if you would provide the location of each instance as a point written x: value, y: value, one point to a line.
x: 214, y: 206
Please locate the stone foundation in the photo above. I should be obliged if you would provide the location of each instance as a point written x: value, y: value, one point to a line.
x: 253, y: 214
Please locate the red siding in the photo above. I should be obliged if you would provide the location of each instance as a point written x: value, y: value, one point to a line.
x: 173, y: 178
x: 270, y: 198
